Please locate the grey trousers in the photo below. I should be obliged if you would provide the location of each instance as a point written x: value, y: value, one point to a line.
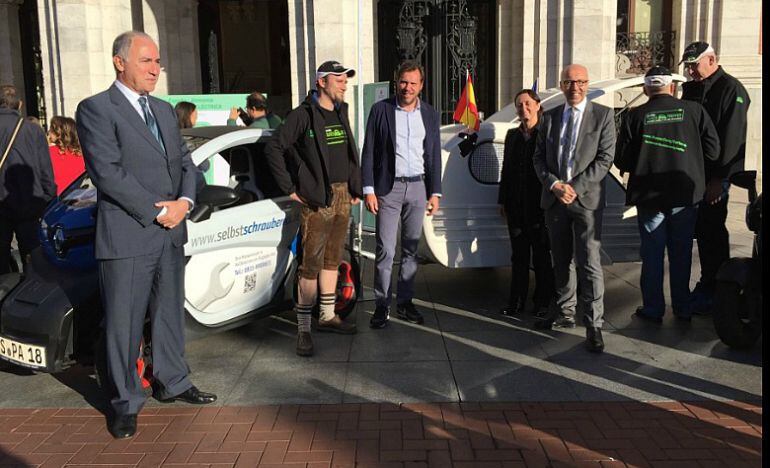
x: 575, y: 233
x: 406, y: 202
x: 130, y: 286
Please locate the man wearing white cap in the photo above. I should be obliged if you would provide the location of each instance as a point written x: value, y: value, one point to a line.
x: 314, y: 160
x: 727, y: 103
x: 662, y: 145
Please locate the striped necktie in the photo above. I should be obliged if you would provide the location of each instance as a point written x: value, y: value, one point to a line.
x: 566, y: 144
x: 150, y: 121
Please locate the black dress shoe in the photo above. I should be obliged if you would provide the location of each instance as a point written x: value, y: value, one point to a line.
x: 640, y: 314
x: 541, y: 312
x: 515, y: 309
x: 594, y: 340
x: 193, y: 396
x: 380, y: 317
x: 407, y: 311
x: 123, y: 426
x: 564, y: 322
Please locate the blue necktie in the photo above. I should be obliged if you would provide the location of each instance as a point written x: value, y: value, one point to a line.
x: 150, y: 121
x: 566, y: 144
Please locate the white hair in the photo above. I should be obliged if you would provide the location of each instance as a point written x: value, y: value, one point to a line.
x: 122, y: 43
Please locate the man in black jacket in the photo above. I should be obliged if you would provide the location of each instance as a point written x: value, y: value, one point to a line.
x: 519, y: 200
x: 314, y: 160
x: 727, y: 103
x: 26, y: 179
x: 662, y: 145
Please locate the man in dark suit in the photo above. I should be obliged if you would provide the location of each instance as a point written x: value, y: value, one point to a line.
x: 401, y: 169
x: 145, y: 178
x: 575, y: 148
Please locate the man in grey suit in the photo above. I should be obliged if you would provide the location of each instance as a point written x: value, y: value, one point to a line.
x: 145, y: 179
x: 574, y: 151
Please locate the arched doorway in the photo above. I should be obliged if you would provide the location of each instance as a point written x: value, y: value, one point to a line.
x: 446, y: 37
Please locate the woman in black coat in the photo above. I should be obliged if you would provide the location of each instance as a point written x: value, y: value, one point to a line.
x: 519, y: 200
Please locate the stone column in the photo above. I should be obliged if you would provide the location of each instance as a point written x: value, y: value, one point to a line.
x: 538, y: 38
x: 12, y: 71
x: 322, y: 30
x: 76, y: 47
x: 174, y: 25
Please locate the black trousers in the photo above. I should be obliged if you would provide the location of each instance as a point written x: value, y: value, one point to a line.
x: 713, y: 240
x: 530, y: 243
x: 26, y: 237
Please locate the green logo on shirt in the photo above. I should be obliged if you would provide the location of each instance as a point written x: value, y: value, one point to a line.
x: 666, y: 116
x: 739, y: 100
x: 310, y: 133
x: 335, y: 135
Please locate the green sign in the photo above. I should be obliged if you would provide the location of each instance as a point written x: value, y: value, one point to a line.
x: 213, y: 109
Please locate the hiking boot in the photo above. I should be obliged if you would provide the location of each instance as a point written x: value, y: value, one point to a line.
x: 304, y: 344
x: 380, y: 317
x: 407, y: 311
x: 336, y: 325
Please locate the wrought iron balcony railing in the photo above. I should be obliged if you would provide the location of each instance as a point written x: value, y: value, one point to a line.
x: 645, y: 50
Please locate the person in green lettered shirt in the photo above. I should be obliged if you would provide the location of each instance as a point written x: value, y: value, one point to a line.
x: 259, y: 114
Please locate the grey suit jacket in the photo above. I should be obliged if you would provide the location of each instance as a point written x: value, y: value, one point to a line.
x: 594, y: 152
x: 132, y: 172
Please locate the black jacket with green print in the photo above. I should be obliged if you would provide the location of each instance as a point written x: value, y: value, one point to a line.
x: 727, y: 103
x: 662, y: 144
x: 299, y: 157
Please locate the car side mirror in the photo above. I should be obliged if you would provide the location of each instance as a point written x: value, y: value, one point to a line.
x: 468, y: 144
x: 217, y: 196
x: 211, y: 197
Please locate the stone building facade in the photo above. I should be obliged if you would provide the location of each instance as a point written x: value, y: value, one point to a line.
x: 237, y: 45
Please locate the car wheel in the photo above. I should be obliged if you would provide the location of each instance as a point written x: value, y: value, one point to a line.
x: 734, y: 321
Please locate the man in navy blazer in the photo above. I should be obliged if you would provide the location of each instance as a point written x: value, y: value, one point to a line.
x: 145, y: 179
x: 401, y: 169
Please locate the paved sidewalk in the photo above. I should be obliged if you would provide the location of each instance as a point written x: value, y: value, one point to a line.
x: 472, y: 435
x: 399, y: 397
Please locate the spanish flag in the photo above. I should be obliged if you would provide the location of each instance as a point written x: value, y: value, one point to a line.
x: 466, y: 111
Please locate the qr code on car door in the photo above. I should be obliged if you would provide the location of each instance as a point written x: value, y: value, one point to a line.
x: 250, y: 284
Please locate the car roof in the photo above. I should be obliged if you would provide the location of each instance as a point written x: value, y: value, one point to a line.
x: 553, y: 97
x: 220, y: 138
x: 211, y: 131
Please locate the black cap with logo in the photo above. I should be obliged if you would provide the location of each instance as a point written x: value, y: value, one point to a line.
x: 333, y: 67
x: 696, y: 50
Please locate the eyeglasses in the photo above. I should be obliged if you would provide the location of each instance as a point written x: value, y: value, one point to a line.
x: 569, y: 83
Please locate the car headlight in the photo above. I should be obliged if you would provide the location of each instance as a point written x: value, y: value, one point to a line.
x: 58, y: 239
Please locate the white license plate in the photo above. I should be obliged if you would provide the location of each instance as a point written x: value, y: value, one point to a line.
x: 22, y: 353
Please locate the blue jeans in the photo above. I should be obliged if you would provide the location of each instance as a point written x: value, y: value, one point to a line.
x: 671, y: 230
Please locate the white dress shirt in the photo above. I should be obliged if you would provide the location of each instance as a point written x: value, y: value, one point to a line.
x: 133, y: 99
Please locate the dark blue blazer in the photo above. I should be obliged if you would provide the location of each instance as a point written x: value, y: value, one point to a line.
x: 378, y: 159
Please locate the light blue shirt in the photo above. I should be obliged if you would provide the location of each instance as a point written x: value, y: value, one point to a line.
x: 410, y: 140
x: 133, y: 99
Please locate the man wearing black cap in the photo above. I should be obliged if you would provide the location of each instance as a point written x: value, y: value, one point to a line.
x: 727, y: 103
x: 314, y: 160
x: 662, y: 145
